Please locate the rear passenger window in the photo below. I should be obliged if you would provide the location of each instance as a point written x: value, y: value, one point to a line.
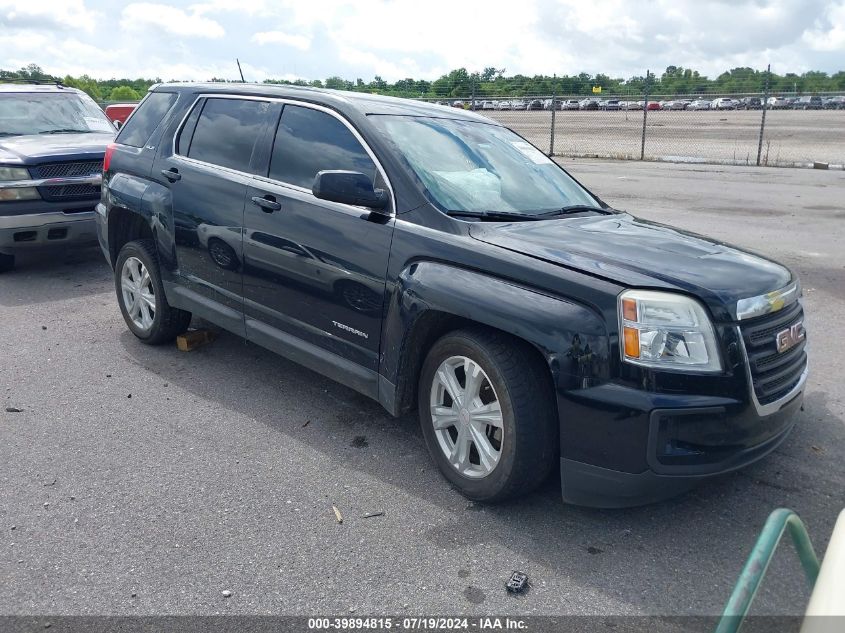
x: 308, y: 141
x: 143, y: 122
x: 226, y: 132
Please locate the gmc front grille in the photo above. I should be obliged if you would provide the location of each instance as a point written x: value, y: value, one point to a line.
x: 774, y: 374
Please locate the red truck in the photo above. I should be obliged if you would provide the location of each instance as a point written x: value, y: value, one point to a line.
x: 119, y: 112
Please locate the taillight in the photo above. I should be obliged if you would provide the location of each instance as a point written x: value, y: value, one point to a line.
x: 107, y: 158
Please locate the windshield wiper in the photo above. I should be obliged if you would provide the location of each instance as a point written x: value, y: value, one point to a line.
x: 68, y: 130
x: 10, y: 134
x: 493, y: 216
x: 573, y: 208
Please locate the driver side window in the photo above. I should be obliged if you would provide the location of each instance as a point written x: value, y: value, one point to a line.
x: 308, y: 141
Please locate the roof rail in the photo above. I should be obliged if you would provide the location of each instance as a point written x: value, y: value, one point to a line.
x: 36, y: 82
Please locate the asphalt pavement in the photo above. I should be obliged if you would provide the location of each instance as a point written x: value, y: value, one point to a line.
x: 145, y: 480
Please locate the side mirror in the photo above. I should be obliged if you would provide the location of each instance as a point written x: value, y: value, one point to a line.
x: 118, y: 124
x: 349, y: 187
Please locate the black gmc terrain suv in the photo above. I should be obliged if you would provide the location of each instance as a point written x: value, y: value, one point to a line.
x: 430, y: 258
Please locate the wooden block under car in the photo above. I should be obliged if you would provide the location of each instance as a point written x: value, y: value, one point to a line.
x: 193, y: 339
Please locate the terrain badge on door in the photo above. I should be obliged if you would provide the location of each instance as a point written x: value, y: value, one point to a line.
x: 343, y: 326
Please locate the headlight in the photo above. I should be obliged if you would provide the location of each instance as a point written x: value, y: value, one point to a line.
x: 18, y: 193
x: 13, y: 173
x: 666, y: 331
x: 10, y: 174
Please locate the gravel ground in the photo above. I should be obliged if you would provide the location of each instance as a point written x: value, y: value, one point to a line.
x: 141, y: 480
x: 791, y: 136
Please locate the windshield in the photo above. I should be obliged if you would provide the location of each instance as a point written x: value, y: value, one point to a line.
x: 50, y: 113
x: 476, y: 167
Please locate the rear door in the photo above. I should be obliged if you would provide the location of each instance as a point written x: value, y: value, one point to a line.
x: 314, y: 269
x: 207, y: 174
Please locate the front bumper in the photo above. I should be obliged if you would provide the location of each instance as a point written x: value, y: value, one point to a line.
x: 51, y: 229
x: 654, y: 446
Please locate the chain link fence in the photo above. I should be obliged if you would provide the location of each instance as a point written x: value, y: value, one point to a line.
x: 725, y: 129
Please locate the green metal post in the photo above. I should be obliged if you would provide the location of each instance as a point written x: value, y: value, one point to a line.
x: 758, y: 562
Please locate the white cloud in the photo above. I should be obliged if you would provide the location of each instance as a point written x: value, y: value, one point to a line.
x: 302, y: 42
x: 65, y: 15
x: 169, y: 19
x: 198, y: 39
x: 828, y: 33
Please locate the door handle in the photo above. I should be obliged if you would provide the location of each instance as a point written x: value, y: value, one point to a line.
x: 268, y: 204
x: 171, y: 174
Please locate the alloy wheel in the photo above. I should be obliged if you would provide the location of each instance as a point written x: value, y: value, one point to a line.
x: 138, y: 294
x: 467, y: 417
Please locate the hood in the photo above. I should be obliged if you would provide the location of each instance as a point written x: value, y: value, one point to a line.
x: 639, y: 253
x: 39, y: 148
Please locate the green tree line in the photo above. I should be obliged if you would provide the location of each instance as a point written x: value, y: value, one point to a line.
x: 461, y: 83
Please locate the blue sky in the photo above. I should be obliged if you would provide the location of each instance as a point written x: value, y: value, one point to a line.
x: 314, y: 39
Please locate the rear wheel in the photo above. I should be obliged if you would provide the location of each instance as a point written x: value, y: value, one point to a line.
x: 487, y: 414
x: 140, y: 295
x: 7, y: 262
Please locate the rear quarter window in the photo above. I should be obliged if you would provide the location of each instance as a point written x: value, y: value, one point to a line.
x: 143, y: 122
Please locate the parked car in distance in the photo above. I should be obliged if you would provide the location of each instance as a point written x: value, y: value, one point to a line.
x: 654, y: 105
x: 504, y: 104
x: 119, y: 112
x: 588, y: 104
x: 723, y: 103
x: 52, y: 142
x: 572, y: 104
x: 547, y: 104
x: 834, y: 103
x: 808, y: 102
x: 699, y: 104
x: 636, y: 368
x: 750, y: 103
x: 459, y: 104
x: 611, y: 104
x: 534, y: 104
x: 633, y: 105
x: 777, y: 103
x: 488, y: 105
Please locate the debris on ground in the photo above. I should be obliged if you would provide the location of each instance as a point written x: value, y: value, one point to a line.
x: 226, y: 593
x: 594, y: 550
x: 517, y: 583
x: 43, y: 327
x: 817, y: 449
x: 13, y: 410
x: 337, y: 514
x: 52, y: 483
x: 370, y: 515
x: 307, y: 422
x: 359, y: 441
x: 192, y: 339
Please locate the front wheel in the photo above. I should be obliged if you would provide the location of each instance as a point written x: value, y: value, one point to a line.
x: 140, y: 295
x: 487, y: 414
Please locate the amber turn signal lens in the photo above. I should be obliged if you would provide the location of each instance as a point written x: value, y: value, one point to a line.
x: 629, y: 309
x: 632, y: 342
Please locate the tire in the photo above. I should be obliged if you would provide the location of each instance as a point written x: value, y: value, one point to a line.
x: 524, y: 446
x: 7, y: 263
x: 154, y: 324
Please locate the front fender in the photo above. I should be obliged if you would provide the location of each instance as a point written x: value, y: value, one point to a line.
x: 572, y: 337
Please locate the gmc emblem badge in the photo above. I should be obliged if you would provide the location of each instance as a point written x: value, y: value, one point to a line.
x: 790, y: 337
